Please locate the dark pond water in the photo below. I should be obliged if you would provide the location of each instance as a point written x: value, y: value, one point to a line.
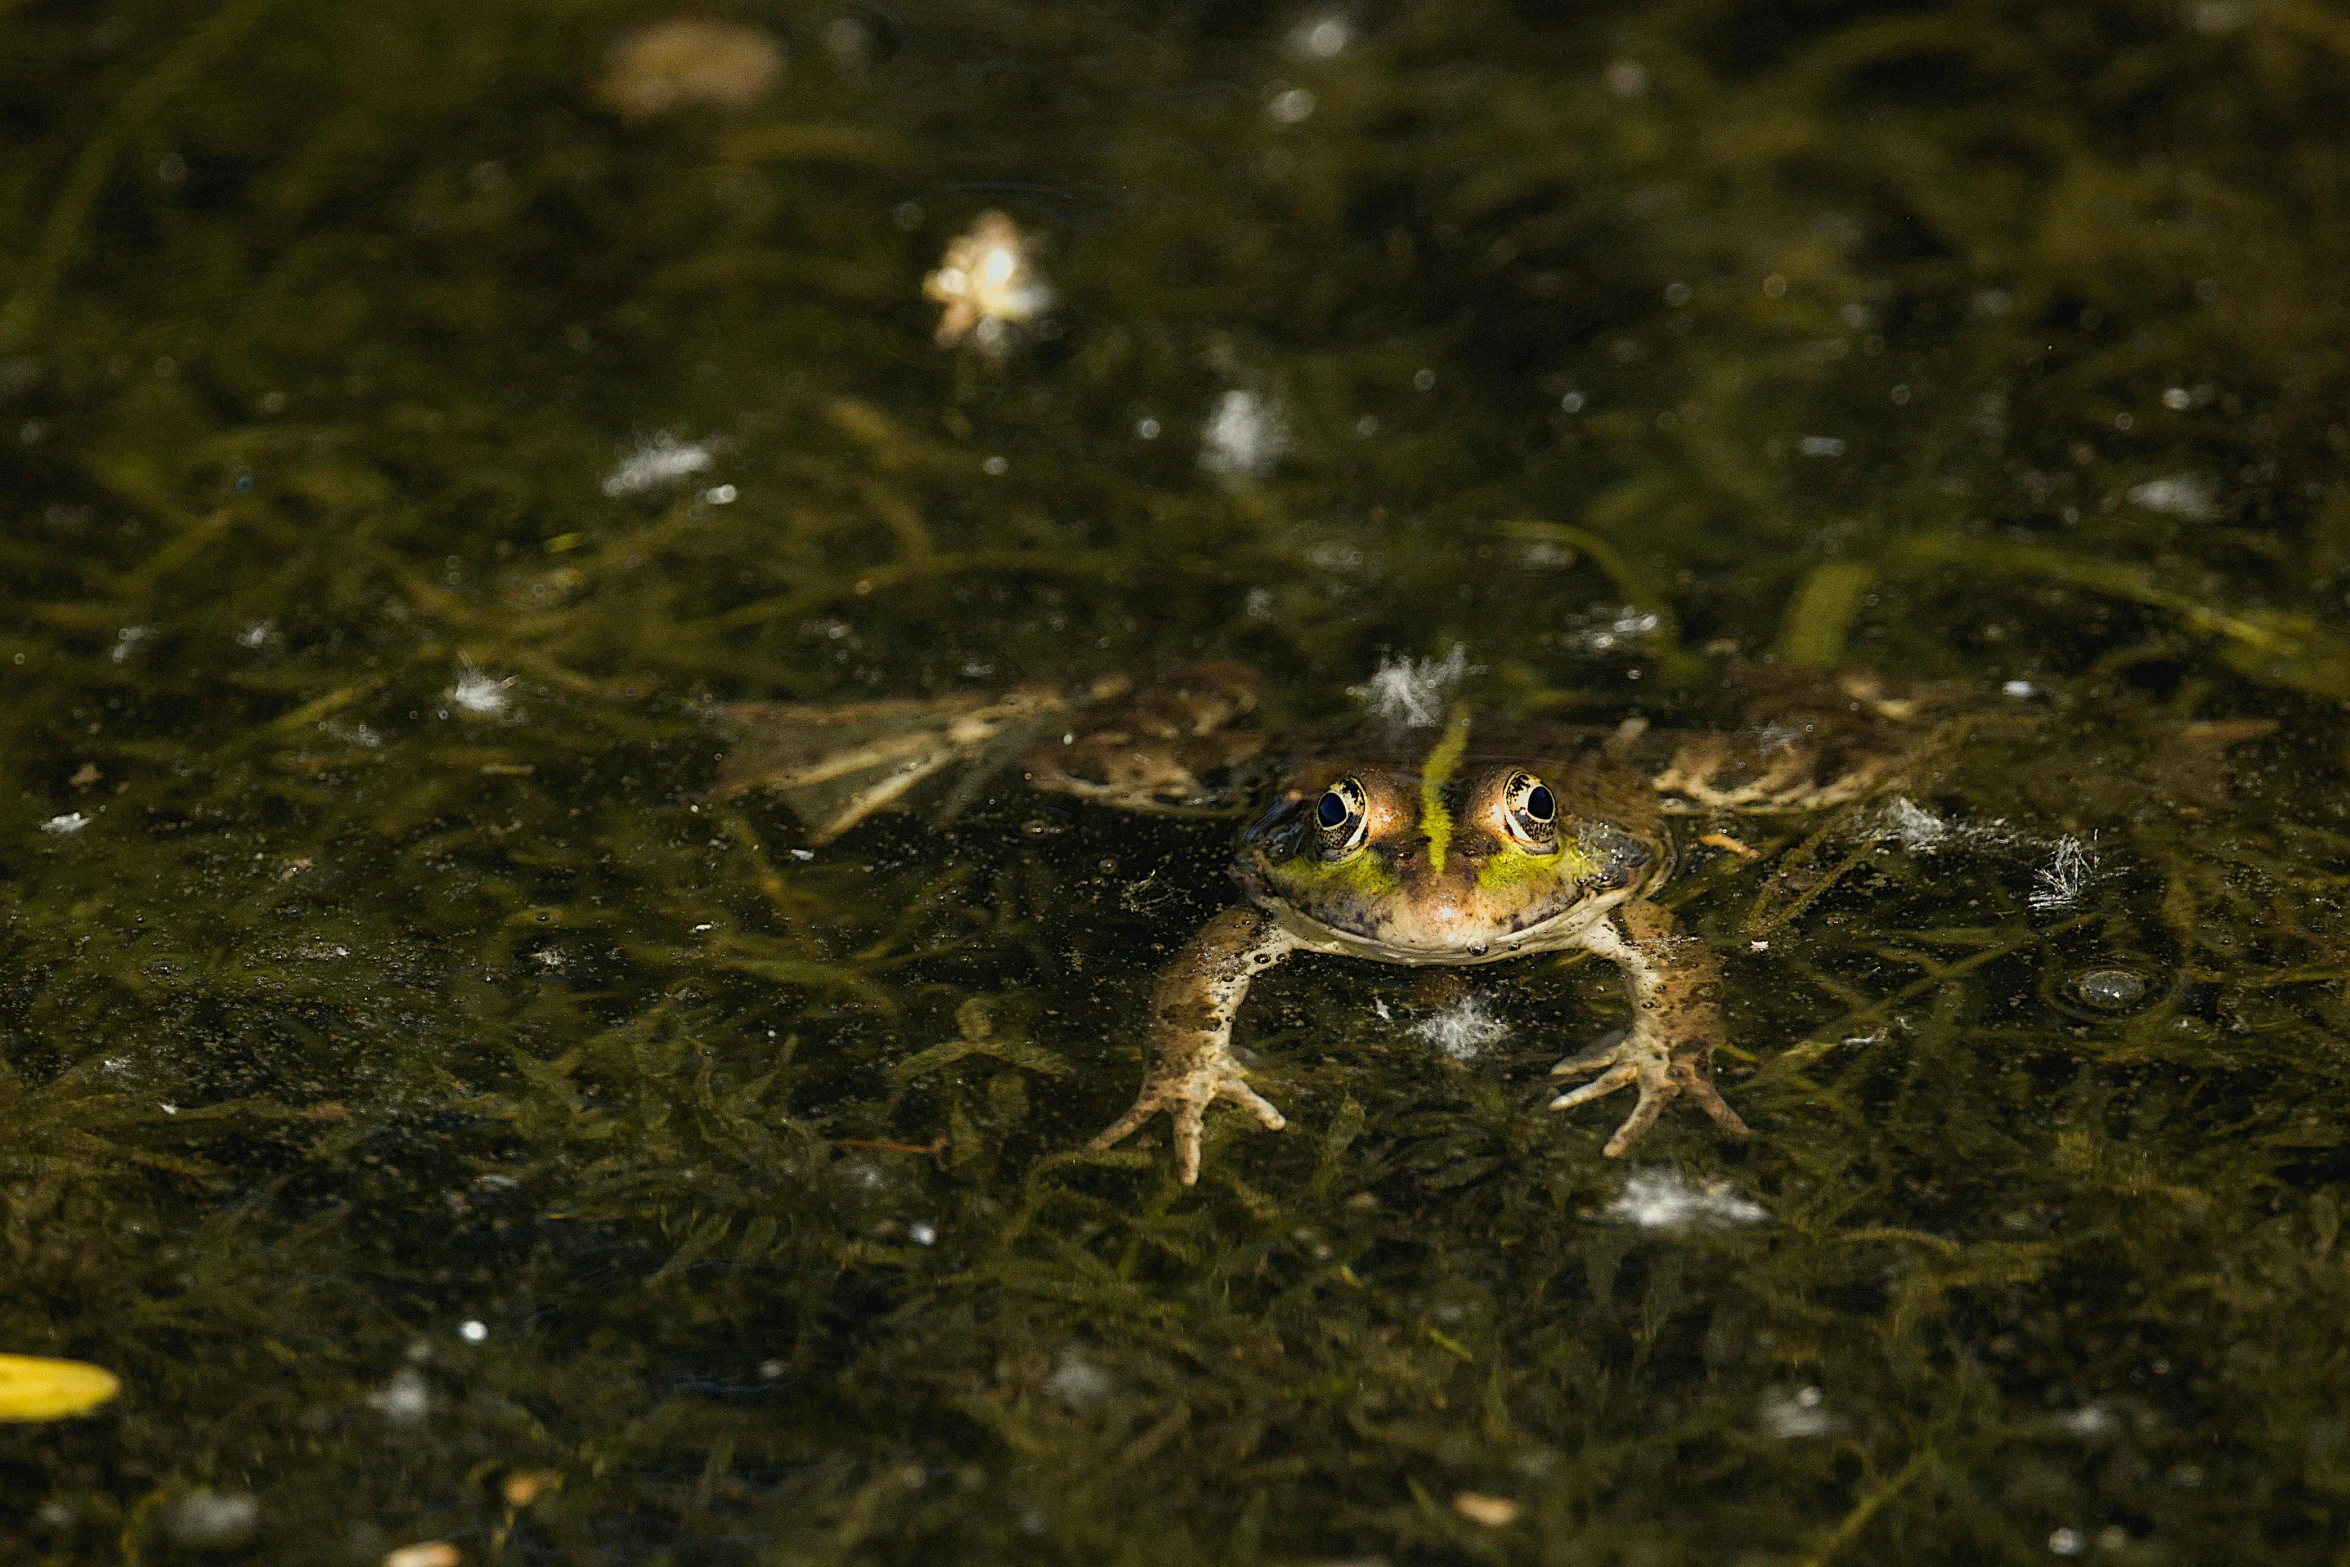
x: 455, y: 1124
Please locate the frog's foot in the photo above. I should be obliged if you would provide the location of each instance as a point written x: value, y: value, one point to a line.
x: 1662, y: 1075
x: 1185, y: 1096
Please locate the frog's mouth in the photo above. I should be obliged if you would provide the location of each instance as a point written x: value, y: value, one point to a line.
x: 1435, y: 933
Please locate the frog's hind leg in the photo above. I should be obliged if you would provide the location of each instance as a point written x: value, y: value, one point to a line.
x: 835, y: 765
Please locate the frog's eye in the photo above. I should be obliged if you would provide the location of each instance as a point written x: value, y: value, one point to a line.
x: 1341, y: 815
x: 1530, y: 810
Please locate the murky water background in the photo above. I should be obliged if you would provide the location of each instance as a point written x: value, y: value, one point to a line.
x: 453, y: 1129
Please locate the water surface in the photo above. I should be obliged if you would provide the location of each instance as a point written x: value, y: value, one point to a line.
x: 453, y: 1127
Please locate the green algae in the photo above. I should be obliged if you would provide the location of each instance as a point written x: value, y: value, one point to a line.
x: 350, y: 1014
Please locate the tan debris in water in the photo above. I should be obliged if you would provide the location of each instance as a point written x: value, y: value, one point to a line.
x: 988, y: 285
x: 687, y: 64
x: 1491, y: 1511
x: 429, y: 1553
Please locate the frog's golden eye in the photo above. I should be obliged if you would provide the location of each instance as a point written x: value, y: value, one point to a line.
x: 1342, y: 816
x: 1530, y: 811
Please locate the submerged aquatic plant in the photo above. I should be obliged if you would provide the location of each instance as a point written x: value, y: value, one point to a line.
x: 332, y: 1027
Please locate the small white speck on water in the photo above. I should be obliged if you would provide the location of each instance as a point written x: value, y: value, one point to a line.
x: 1413, y: 692
x: 405, y: 1399
x: 1322, y: 37
x: 655, y: 461
x: 1291, y: 107
x: 1462, y: 1031
x: 1789, y: 1415
x: 67, y: 824
x: 1076, y: 1380
x: 477, y: 693
x: 2194, y: 496
x: 1668, y: 1200
x: 1245, y: 437
x: 922, y: 1234
x: 1821, y: 446
x: 1625, y: 79
x: 2069, y: 873
x: 473, y: 1332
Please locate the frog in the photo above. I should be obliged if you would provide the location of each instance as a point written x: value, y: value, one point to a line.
x: 1430, y: 837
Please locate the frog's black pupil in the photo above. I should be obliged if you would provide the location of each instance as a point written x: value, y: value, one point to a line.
x: 1538, y: 806
x: 1332, y: 811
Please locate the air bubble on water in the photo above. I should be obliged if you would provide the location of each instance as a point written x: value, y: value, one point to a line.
x: 1322, y: 37
x: 2110, y: 989
x: 2191, y: 495
x: 1291, y: 107
x: 1610, y: 628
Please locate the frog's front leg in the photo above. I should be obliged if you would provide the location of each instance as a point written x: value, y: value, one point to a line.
x: 1676, y: 1019
x: 1191, y: 1065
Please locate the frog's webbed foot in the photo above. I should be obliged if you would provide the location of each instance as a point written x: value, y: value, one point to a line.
x: 1661, y: 1074
x: 1185, y: 1096
x: 1191, y: 1061
x: 1669, y: 1049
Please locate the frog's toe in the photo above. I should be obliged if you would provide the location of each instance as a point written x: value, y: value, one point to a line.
x: 1653, y: 1099
x: 1606, y: 1050
x: 1710, y: 1100
x: 1146, y: 1106
x: 1190, y: 1117
x: 1239, y: 1093
x: 1598, y: 1088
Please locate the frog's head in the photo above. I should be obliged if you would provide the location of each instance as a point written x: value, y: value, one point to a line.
x: 1452, y: 863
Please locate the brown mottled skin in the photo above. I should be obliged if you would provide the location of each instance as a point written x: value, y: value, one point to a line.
x: 1458, y: 843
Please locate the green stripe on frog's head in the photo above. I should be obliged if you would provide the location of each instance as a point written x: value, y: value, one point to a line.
x: 1435, y: 816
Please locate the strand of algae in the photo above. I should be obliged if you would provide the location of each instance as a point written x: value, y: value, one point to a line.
x: 2276, y: 647
x: 61, y: 233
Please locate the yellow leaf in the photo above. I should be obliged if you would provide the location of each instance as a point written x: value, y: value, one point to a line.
x: 33, y: 1387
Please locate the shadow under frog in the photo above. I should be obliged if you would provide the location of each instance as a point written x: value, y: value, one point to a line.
x: 1460, y: 842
